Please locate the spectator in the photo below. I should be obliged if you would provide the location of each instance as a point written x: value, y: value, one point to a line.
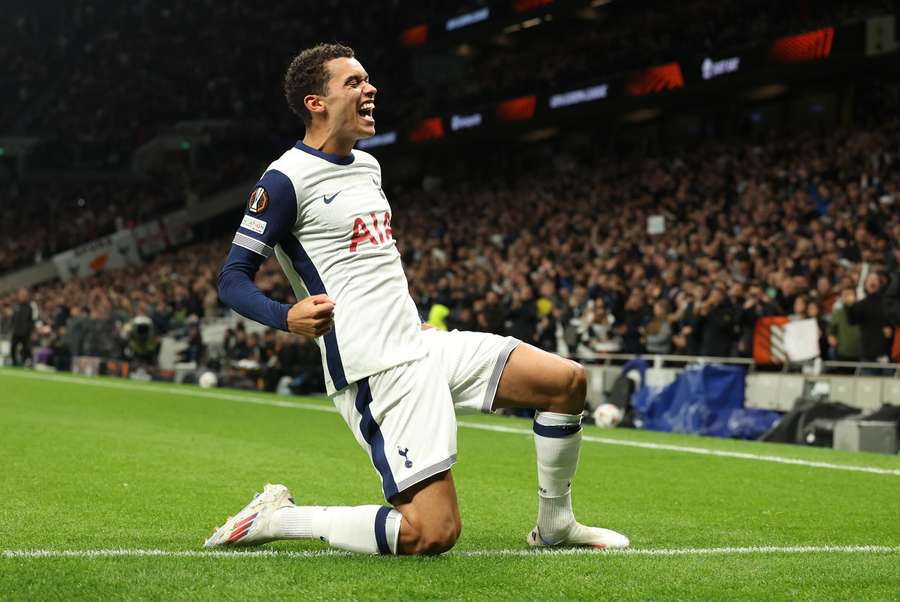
x: 814, y: 312
x: 717, y: 325
x: 844, y: 338
x: 757, y: 304
x: 659, y: 330
x: 597, y: 334
x: 196, y: 349
x: 631, y: 321
x: 868, y: 314
x: 23, y: 318
x: 523, y: 315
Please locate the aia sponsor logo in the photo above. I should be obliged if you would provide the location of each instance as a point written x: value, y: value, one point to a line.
x: 370, y: 231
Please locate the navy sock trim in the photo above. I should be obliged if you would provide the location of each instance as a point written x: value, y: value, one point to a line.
x: 381, y: 530
x: 556, y: 432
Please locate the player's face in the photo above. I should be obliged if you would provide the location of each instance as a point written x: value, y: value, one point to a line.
x: 351, y: 99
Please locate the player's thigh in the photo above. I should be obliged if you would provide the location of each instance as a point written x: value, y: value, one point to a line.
x: 403, y: 418
x: 472, y: 363
x: 533, y: 378
x: 431, y: 520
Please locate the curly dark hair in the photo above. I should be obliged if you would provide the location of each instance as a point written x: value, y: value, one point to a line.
x: 307, y: 74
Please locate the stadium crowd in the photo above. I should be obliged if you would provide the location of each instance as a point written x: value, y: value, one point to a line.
x: 797, y: 226
x: 560, y: 254
x: 61, y: 215
x: 114, y: 76
x: 122, y: 314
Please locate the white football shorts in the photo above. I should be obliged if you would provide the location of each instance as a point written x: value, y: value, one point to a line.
x: 405, y: 416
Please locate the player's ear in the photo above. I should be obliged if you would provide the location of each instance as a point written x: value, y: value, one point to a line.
x: 314, y: 103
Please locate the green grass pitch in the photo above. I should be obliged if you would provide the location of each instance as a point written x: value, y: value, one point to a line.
x: 145, y: 471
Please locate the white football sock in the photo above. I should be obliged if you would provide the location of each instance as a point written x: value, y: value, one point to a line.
x: 557, y: 439
x: 365, y: 529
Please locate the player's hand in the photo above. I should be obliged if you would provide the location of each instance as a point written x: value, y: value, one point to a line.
x: 312, y: 317
x: 427, y: 326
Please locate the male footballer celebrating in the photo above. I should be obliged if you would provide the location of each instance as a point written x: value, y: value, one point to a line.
x: 321, y: 211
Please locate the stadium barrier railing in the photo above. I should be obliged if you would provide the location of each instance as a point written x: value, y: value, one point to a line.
x: 865, y: 385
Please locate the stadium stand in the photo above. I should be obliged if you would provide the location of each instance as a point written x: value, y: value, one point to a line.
x: 109, y: 84
x: 788, y: 227
x: 561, y: 255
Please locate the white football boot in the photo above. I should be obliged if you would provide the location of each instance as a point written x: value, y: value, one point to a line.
x: 252, y: 525
x: 581, y: 535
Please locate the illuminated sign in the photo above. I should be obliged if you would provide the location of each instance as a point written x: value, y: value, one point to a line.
x: 414, y: 36
x: 461, y: 122
x: 808, y: 46
x: 710, y: 68
x: 520, y: 6
x: 575, y: 97
x: 517, y: 108
x: 467, y: 19
x: 378, y: 140
x: 428, y: 129
x: 655, y: 79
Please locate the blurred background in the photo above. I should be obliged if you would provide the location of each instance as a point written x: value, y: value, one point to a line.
x: 690, y: 183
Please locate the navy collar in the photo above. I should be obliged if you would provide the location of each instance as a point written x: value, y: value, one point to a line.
x: 331, y: 158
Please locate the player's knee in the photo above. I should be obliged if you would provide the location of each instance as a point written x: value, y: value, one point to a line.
x: 573, y: 393
x: 438, y: 538
x: 571, y: 390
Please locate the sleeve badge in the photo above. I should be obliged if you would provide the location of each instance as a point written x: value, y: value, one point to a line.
x: 258, y: 201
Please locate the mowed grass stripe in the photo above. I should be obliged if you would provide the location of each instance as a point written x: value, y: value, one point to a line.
x: 517, y: 552
x: 325, y: 407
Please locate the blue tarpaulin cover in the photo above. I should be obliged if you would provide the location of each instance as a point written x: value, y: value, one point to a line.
x: 702, y: 400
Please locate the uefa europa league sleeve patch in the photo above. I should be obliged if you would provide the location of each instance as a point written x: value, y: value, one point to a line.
x: 259, y: 200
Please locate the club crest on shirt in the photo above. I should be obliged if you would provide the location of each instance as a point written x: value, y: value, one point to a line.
x: 259, y: 200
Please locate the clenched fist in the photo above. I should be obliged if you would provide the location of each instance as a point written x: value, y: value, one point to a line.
x: 312, y: 317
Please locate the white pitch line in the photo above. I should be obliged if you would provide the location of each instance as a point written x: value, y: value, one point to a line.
x: 299, y: 405
x: 698, y: 450
x: 516, y: 552
x: 183, y: 392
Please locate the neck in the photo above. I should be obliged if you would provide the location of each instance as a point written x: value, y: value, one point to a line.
x: 325, y: 141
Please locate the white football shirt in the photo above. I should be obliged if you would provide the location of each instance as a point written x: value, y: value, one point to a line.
x: 328, y: 222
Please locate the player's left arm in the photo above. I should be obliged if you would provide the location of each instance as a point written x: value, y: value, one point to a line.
x: 269, y: 217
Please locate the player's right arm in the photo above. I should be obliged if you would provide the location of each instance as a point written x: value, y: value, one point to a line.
x: 269, y: 218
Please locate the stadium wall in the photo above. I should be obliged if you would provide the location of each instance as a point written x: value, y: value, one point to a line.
x: 769, y: 391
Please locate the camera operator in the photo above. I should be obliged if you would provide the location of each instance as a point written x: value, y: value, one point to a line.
x: 143, y: 344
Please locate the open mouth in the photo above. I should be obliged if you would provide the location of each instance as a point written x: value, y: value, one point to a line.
x: 367, y: 112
